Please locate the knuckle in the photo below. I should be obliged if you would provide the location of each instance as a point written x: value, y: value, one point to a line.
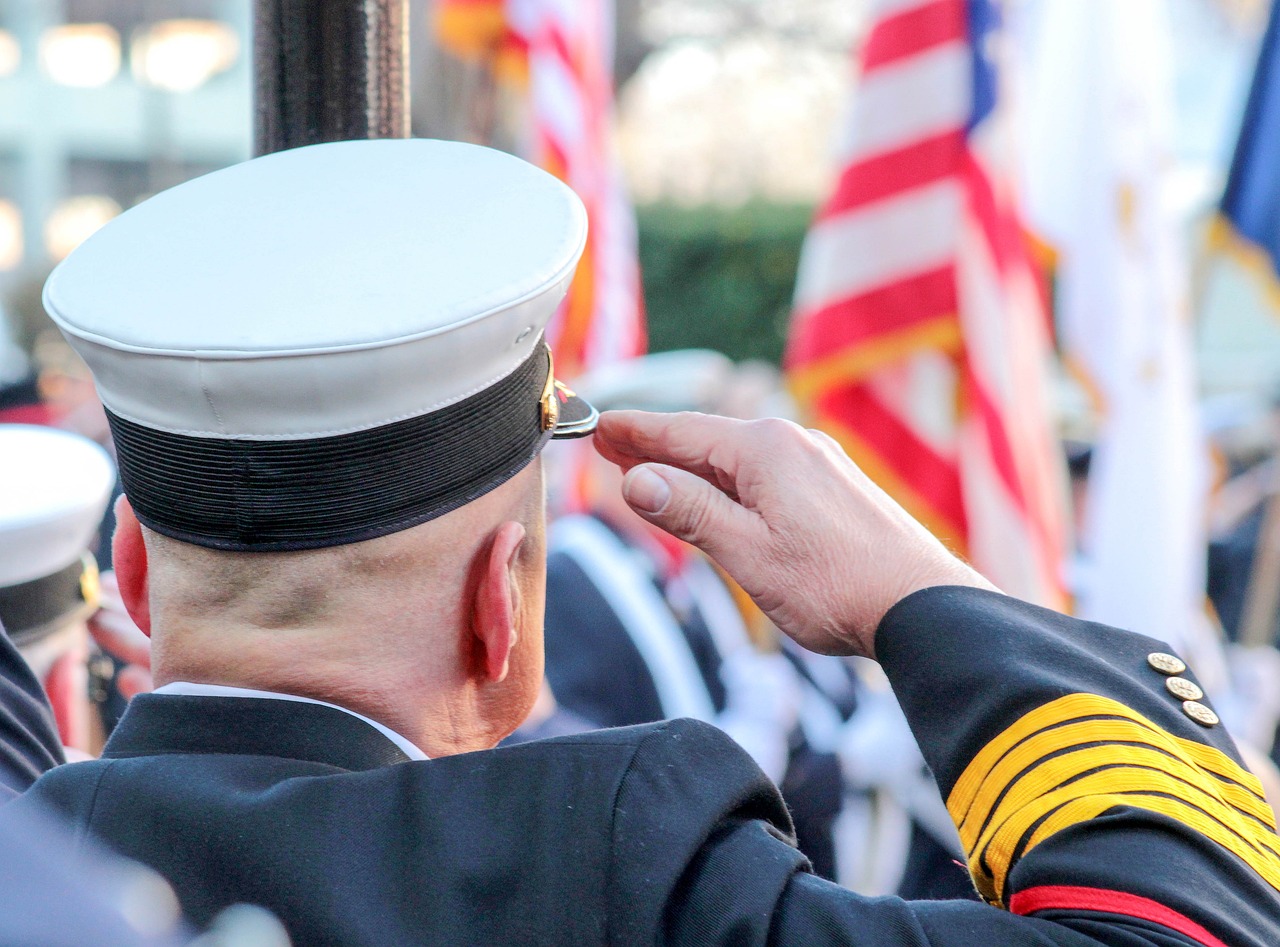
x: 680, y: 430
x: 776, y: 431
x: 826, y: 442
x: 686, y: 421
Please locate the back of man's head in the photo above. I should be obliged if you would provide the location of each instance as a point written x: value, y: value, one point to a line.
x: 328, y: 415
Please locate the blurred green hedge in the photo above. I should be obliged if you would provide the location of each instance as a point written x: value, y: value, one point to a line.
x: 721, y: 278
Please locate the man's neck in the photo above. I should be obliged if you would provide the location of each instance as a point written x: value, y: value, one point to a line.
x: 189, y: 689
x: 428, y: 709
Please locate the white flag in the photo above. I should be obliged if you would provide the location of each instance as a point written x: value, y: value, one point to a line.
x: 1098, y: 117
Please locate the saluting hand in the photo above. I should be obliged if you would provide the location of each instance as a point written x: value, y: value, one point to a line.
x: 818, y: 546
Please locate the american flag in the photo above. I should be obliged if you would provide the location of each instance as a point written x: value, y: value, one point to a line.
x: 920, y: 338
x: 567, y: 52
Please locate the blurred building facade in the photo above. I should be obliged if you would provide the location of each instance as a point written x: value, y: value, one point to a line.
x: 104, y: 102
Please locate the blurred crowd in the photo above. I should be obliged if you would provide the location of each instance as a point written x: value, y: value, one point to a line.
x: 639, y: 627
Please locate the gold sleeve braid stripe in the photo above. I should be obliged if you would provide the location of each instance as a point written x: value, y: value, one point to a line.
x: 1077, y: 757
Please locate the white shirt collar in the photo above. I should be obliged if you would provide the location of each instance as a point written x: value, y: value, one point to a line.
x: 188, y: 689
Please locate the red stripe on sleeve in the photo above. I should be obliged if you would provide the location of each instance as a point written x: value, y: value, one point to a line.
x: 1067, y: 898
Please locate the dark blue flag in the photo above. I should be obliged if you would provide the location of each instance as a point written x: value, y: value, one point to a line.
x: 1250, y: 211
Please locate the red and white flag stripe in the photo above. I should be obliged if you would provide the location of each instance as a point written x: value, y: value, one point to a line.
x: 919, y: 337
x: 562, y: 50
x: 570, y: 49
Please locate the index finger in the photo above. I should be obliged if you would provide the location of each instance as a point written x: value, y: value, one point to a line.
x: 702, y: 444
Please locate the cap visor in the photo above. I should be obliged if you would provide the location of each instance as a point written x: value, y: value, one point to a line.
x: 578, y: 418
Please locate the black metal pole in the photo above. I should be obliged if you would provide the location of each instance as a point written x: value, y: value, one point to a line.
x: 329, y: 70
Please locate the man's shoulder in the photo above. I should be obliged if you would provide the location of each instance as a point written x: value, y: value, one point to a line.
x: 80, y: 773
x: 692, y: 766
x: 701, y: 750
x: 610, y: 781
x: 671, y: 758
x: 67, y: 790
x: 688, y: 810
x: 671, y: 735
x: 624, y: 821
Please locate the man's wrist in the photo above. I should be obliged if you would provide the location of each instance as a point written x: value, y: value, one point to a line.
x: 959, y: 576
x: 904, y: 618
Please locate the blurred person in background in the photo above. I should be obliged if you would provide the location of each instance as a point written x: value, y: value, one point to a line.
x: 48, y: 383
x: 1244, y: 567
x: 54, y: 487
x: 43, y: 381
x: 29, y: 395
x: 1244, y: 679
x: 20, y: 401
x: 1244, y: 433
x: 54, y: 388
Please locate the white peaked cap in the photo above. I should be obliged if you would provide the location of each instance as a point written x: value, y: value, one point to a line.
x: 290, y: 323
x: 249, y: 302
x: 54, y: 488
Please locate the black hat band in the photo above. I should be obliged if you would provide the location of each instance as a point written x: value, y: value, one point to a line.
x: 266, y: 496
x: 31, y: 610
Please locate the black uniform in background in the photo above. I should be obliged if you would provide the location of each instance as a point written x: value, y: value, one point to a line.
x: 58, y: 890
x: 1088, y: 799
x: 29, y: 743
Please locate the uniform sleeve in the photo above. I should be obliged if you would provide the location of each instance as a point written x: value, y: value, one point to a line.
x: 1094, y: 810
x: 29, y: 743
x: 702, y: 845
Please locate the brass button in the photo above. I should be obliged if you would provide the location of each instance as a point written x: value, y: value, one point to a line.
x: 1181, y: 687
x: 1199, y: 713
x: 1165, y: 663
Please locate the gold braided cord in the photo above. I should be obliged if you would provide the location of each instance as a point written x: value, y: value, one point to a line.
x: 1063, y: 710
x: 1146, y: 747
x: 1137, y: 788
x: 1081, y: 755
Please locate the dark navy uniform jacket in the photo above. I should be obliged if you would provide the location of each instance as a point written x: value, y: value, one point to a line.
x: 1093, y: 810
x: 53, y: 891
x: 29, y: 742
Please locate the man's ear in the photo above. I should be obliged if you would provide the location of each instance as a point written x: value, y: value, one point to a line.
x: 129, y: 559
x: 497, y: 600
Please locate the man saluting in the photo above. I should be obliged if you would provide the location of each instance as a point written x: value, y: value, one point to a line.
x: 326, y: 377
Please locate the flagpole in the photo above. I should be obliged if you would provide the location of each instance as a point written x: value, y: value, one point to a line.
x: 329, y: 70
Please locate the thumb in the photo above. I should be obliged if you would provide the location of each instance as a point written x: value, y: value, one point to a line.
x: 690, y: 508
